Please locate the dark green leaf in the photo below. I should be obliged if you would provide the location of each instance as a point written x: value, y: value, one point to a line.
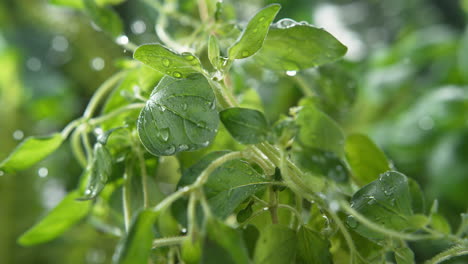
x: 98, y: 172
x: 228, y: 186
x: 312, y: 248
x: 386, y: 201
x: 104, y: 17
x: 277, y: 245
x: 248, y: 126
x: 320, y: 162
x: 417, y: 197
x: 66, y: 214
x: 317, y: 130
x: 223, y: 243
x: 251, y: 39
x: 213, y: 52
x: 31, y: 151
x: 293, y: 46
x: 245, y: 213
x: 367, y: 161
x: 179, y: 116
x: 135, y: 247
x: 168, y: 62
x: 250, y: 234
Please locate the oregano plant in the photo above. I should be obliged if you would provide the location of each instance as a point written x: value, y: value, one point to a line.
x: 181, y: 163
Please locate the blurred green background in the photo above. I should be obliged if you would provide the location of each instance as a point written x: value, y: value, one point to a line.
x: 409, y: 58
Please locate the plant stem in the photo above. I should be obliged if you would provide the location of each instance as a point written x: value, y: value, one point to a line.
x: 273, y: 205
x: 191, y: 217
x: 69, y: 128
x: 168, y: 241
x: 101, y: 92
x: 144, y: 173
x: 293, y: 210
x: 126, y: 197
x: 114, y: 113
x: 77, y: 148
x: 455, y: 251
x: 306, y: 90
x: 346, y: 235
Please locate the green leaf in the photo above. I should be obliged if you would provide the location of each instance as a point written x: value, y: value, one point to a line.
x: 320, y: 162
x: 135, y: 247
x: 179, y: 116
x: 223, y: 243
x: 31, y: 151
x: 78, y: 4
x: 168, y: 62
x: 251, y: 39
x: 417, y: 197
x: 317, y: 130
x: 386, y: 201
x: 97, y: 173
x: 293, y: 46
x: 248, y: 126
x: 213, y: 52
x: 105, y: 18
x: 404, y: 255
x: 439, y: 223
x: 66, y: 214
x: 228, y: 186
x: 367, y: 161
x: 312, y: 248
x: 250, y: 234
x: 277, y: 245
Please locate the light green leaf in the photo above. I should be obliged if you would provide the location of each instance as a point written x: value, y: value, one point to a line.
x: 312, y: 248
x: 135, y: 247
x: 293, y: 46
x: 367, y: 161
x: 31, y: 151
x: 66, y: 214
x: 97, y: 173
x: 78, y: 4
x: 228, y: 186
x: 277, y: 245
x: 179, y: 116
x: 317, y: 130
x: 386, y: 201
x: 213, y: 52
x: 223, y: 243
x: 251, y: 39
x: 168, y: 62
x: 440, y: 223
x: 248, y: 126
x: 104, y: 17
x: 404, y: 255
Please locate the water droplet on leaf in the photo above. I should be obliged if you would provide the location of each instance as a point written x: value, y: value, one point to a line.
x: 177, y: 74
x: 166, y: 62
x: 352, y: 222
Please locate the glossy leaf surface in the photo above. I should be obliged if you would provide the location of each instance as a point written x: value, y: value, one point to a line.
x: 98, y: 172
x: 179, y: 116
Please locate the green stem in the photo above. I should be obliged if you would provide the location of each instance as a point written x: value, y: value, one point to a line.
x: 69, y: 128
x: 101, y: 92
x: 293, y: 210
x: 273, y: 205
x: 114, y: 113
x: 455, y: 251
x: 144, y: 173
x: 346, y: 235
x: 126, y: 197
x: 168, y: 241
x: 306, y: 90
x: 77, y: 148
x: 191, y: 217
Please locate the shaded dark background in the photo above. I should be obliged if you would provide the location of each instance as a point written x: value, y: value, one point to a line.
x: 410, y: 59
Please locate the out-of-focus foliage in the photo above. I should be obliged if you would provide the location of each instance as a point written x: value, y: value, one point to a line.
x: 404, y: 82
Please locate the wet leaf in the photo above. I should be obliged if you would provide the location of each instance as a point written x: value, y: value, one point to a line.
x: 277, y: 244
x: 312, y: 248
x: 213, y: 52
x: 97, y: 173
x: 248, y: 126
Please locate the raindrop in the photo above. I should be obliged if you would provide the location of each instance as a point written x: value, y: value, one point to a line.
x: 188, y: 56
x: 291, y: 73
x: 2, y: 173
x: 286, y: 23
x: 170, y: 150
x: 201, y: 124
x: 166, y: 62
x: 34, y: 64
x: 265, y: 208
x: 371, y: 200
x: 183, y: 147
x: 352, y: 222
x: 164, y: 133
x: 122, y: 40
x: 184, y: 230
x: 43, y: 172
x: 213, y: 105
x: 138, y: 27
x: 184, y: 106
x: 261, y: 19
x: 97, y: 64
x: 60, y: 43
x: 245, y: 53
x: 206, y: 143
x: 177, y: 74
x: 18, y: 134
x: 162, y: 108
x: 87, y: 192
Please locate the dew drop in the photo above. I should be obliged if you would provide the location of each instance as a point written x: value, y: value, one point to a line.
x: 183, y: 147
x: 122, y: 40
x: 2, y: 173
x: 184, y: 106
x: 170, y: 150
x: 371, y: 200
x: 291, y: 73
x: 166, y: 62
x: 265, y: 208
x: 213, y: 105
x: 177, y: 74
x: 18, y: 134
x: 183, y: 230
x: 43, y: 172
x: 201, y: 124
x: 245, y: 53
x: 188, y: 56
x: 162, y: 108
x: 352, y: 222
x: 164, y: 133
x: 168, y: 72
x: 206, y: 143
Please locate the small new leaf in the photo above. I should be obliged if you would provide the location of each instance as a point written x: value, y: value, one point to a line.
x: 31, y: 151
x: 66, y: 214
x: 104, y: 17
x: 98, y: 172
x: 213, y: 52
x: 179, y: 116
x: 168, y: 62
x: 293, y: 46
x: 248, y: 126
x: 251, y: 39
